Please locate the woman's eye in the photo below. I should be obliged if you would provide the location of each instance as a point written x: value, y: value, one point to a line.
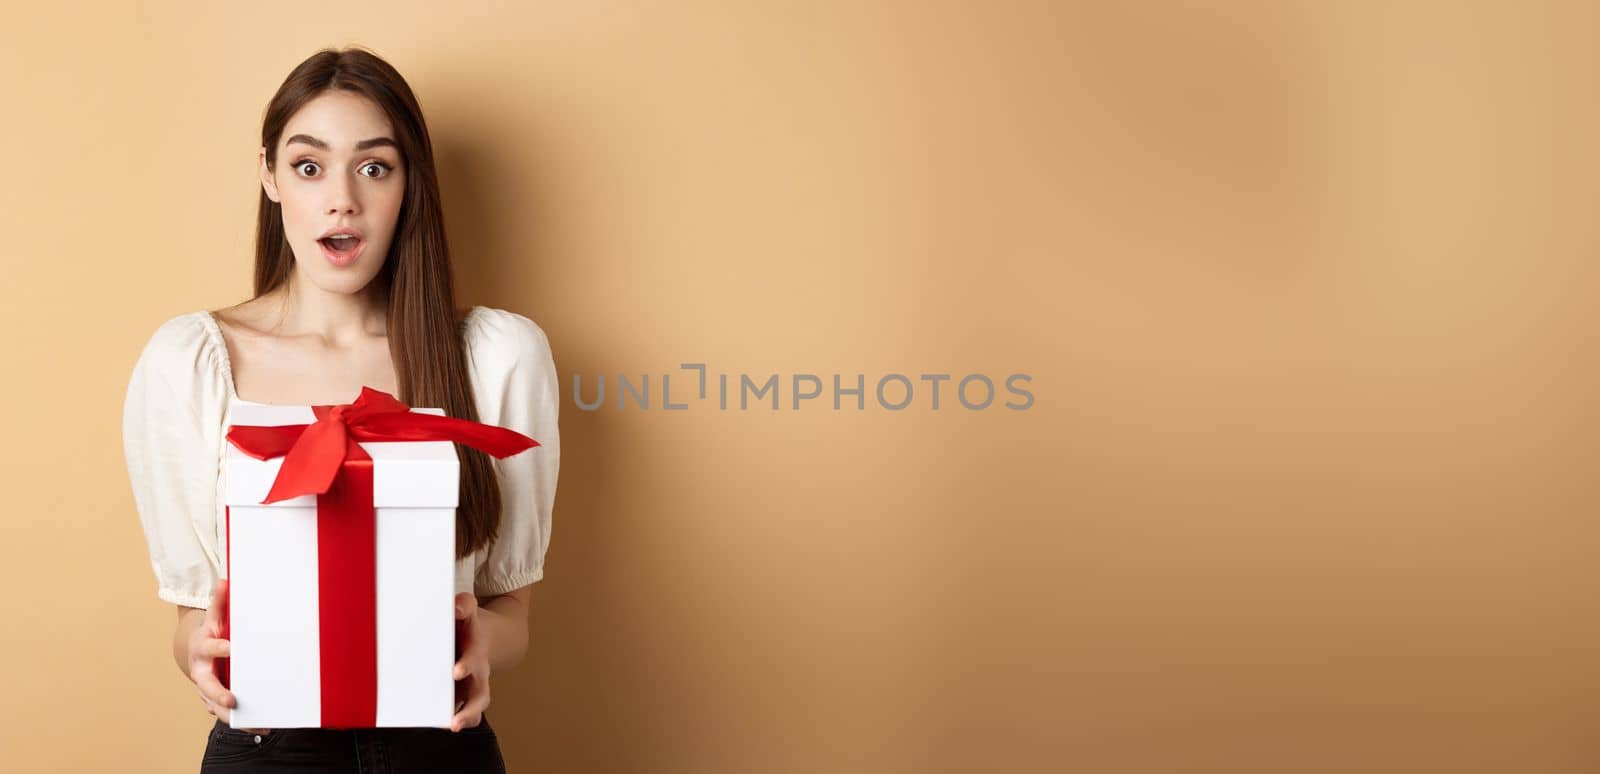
x: 302, y: 165
x: 382, y: 169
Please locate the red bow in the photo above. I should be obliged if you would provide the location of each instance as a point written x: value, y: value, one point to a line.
x: 326, y: 459
x: 316, y: 452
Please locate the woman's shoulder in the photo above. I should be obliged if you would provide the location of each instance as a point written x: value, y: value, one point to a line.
x: 502, y: 338
x: 180, y: 360
x: 180, y: 338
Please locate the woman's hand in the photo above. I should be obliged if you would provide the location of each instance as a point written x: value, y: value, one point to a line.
x: 205, y: 643
x: 472, y: 667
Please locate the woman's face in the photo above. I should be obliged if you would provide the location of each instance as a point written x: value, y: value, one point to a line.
x: 340, y: 180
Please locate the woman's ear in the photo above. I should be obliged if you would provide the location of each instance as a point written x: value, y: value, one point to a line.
x: 268, y: 182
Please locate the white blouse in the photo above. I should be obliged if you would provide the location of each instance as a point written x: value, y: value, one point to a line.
x: 173, y: 438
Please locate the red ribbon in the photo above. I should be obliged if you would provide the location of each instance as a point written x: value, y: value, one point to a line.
x: 326, y: 459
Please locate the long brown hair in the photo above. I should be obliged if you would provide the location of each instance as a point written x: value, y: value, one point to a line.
x: 425, y: 327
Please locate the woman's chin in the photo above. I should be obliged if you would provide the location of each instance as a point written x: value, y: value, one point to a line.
x: 335, y: 279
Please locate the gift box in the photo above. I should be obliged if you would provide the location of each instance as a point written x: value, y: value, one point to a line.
x: 341, y: 525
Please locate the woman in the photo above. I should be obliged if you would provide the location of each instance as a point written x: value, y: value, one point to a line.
x: 352, y: 288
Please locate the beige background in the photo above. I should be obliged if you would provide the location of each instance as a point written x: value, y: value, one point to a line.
x: 1307, y: 297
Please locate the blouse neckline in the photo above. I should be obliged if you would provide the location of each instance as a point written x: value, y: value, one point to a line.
x: 214, y: 330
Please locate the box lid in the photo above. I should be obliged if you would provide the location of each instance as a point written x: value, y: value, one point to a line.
x: 406, y: 474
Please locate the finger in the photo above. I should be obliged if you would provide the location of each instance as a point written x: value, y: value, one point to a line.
x: 464, y: 694
x: 212, y: 647
x: 469, y: 661
x: 220, y: 713
x: 471, y: 713
x: 466, y: 618
x: 465, y: 720
x: 212, y: 689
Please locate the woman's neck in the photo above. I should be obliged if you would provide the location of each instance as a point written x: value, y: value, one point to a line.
x: 339, y: 319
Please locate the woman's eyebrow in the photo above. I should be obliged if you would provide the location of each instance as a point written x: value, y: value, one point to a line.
x: 360, y: 146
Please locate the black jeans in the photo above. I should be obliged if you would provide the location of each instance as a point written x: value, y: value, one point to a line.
x: 354, y: 751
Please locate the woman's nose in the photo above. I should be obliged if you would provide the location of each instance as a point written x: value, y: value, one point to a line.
x: 342, y: 198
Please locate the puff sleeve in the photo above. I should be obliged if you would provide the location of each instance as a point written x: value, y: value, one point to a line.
x: 171, y: 429
x: 515, y: 385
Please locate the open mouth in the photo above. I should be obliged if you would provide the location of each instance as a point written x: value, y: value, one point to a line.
x: 342, y: 248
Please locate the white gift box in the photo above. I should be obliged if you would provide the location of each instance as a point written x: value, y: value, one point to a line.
x: 272, y: 556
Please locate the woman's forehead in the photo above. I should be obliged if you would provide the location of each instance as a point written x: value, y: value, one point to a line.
x: 339, y: 121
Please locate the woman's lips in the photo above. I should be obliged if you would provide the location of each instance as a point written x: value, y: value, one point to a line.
x: 343, y: 257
